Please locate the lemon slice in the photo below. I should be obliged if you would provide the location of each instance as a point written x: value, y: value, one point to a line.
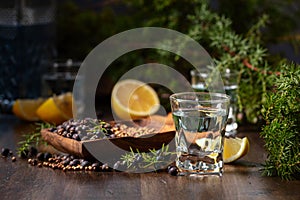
x: 56, y: 109
x: 133, y: 99
x: 26, y: 108
x: 235, y: 148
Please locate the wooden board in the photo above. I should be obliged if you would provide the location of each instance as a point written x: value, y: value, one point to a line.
x: 116, y: 146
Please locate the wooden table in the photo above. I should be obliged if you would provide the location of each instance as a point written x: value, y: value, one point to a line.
x: 241, y: 180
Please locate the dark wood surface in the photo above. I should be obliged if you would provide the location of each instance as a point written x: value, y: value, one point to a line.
x: 241, y: 180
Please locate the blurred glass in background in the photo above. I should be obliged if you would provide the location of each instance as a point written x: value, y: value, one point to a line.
x: 60, y: 77
x: 199, y: 80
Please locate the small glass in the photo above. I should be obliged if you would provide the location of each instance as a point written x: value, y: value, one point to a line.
x: 60, y: 78
x: 200, y: 120
x: 229, y: 77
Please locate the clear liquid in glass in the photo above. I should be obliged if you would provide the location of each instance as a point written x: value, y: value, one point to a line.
x: 199, y: 140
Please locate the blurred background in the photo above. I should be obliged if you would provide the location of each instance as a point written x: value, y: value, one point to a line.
x: 81, y: 25
x: 43, y: 42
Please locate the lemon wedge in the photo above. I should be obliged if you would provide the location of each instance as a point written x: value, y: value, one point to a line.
x: 235, y: 148
x: 26, y: 109
x: 56, y: 109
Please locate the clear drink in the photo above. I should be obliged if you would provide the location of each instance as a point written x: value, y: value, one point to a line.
x: 200, y: 128
x: 199, y: 140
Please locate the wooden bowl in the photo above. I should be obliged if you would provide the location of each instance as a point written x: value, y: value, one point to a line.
x: 113, y: 147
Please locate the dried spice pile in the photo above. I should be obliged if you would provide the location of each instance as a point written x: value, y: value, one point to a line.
x: 91, y: 129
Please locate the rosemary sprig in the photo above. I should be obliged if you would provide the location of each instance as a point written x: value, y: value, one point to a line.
x: 154, y: 159
x: 32, y: 138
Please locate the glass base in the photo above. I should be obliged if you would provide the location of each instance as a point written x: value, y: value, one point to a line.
x: 187, y: 168
x: 200, y: 174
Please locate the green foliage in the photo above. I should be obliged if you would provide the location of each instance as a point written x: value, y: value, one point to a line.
x: 281, y: 134
x: 32, y: 139
x: 234, y: 51
x: 243, y: 53
x: 155, y: 159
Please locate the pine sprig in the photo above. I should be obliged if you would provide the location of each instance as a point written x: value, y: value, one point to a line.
x: 242, y: 53
x: 154, y: 159
x: 32, y: 139
x: 281, y: 133
x: 98, y: 127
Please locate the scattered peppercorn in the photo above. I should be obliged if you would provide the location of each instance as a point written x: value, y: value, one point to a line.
x: 24, y: 154
x: 47, y: 156
x: 85, y: 163
x: 4, y: 152
x: 32, y: 152
x: 13, y: 159
x: 173, y: 170
x: 34, y: 162
x: 40, y: 156
x: 65, y: 162
x: 70, y: 162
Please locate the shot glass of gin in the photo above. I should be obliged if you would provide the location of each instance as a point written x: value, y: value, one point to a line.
x: 200, y: 121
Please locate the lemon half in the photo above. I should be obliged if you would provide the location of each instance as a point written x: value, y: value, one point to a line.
x: 133, y: 99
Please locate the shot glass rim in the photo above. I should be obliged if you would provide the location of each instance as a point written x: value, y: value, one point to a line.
x: 225, y: 97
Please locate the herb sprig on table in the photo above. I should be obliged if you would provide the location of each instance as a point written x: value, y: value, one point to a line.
x: 282, y: 131
x: 32, y: 139
x: 155, y: 159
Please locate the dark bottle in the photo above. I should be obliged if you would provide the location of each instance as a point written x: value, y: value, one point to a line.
x: 27, y: 38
